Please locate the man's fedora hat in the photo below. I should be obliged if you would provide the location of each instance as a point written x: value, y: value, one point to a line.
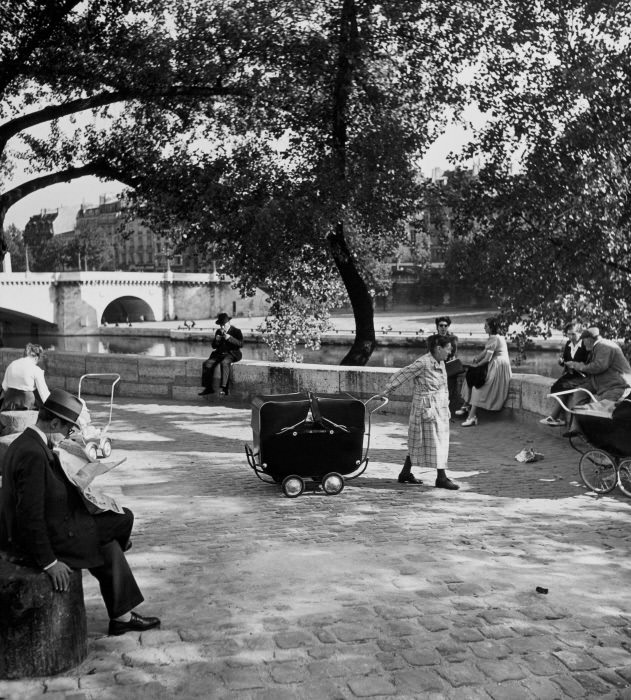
x: 222, y: 318
x: 64, y: 405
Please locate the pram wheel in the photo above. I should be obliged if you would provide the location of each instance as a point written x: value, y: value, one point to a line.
x: 106, y: 447
x: 293, y: 486
x: 332, y: 484
x: 598, y: 471
x: 92, y: 451
x: 624, y: 481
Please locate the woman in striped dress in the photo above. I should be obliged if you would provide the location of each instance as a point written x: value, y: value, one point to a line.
x: 428, y: 429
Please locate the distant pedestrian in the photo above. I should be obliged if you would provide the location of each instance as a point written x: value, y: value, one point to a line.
x: 573, y: 351
x: 428, y: 428
x: 492, y: 394
x: 443, y: 328
x: 24, y: 385
x: 227, y: 345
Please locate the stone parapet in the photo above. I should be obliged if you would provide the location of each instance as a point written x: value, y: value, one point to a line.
x: 179, y: 378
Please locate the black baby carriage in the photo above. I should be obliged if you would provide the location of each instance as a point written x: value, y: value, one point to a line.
x: 604, y: 442
x: 307, y: 436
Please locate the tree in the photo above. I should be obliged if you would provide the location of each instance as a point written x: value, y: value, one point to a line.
x: 354, y: 92
x: 14, y: 239
x: 545, y: 229
x: 124, y: 62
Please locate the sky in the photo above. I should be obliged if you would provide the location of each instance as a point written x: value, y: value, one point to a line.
x: 87, y: 190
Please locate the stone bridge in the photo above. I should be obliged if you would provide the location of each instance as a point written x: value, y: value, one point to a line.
x: 79, y: 302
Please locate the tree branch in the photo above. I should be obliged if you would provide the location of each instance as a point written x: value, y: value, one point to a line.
x: 98, y: 168
x: 46, y: 114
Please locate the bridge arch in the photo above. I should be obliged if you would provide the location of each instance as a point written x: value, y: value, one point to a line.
x: 126, y: 309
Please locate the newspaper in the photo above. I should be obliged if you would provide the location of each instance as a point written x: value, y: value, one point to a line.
x: 81, y: 471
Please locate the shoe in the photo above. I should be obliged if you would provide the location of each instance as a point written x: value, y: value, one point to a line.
x: 572, y: 433
x: 138, y: 623
x: 470, y: 421
x: 462, y: 411
x: 408, y: 479
x: 552, y: 422
x: 446, y: 483
x: 205, y: 392
x: 223, y: 392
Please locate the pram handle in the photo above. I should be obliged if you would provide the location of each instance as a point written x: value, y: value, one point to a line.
x: 384, y: 400
x: 116, y: 378
x: 570, y: 391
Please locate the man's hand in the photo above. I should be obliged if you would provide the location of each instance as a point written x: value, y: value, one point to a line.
x: 60, y: 575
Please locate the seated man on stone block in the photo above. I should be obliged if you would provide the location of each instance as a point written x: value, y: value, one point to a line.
x: 45, y: 521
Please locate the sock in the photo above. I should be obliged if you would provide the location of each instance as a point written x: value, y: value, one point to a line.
x: 124, y: 618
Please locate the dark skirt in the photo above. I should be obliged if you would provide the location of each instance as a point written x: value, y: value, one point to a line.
x: 566, y: 382
x: 19, y: 400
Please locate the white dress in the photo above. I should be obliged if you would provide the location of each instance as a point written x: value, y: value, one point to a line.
x: 493, y: 393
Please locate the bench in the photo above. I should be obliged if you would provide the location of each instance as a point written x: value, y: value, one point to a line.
x: 42, y: 631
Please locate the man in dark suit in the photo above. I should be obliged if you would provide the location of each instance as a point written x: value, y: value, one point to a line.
x: 227, y: 345
x: 44, y: 520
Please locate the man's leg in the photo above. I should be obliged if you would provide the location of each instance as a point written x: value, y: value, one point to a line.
x: 226, y: 365
x: 208, y: 370
x: 118, y: 586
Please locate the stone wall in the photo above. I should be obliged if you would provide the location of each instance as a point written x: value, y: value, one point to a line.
x: 178, y: 378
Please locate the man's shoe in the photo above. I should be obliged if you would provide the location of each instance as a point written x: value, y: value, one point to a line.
x: 138, y: 623
x: 223, y: 392
x: 446, y: 483
x: 408, y: 479
x: 205, y: 392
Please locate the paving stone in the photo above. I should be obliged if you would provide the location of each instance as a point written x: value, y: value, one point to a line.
x: 433, y: 623
x: 421, y: 657
x: 466, y: 634
x: 501, y: 671
x: 541, y: 688
x: 293, y: 639
x: 543, y: 664
x: 243, y: 678
x: 461, y: 674
x: 287, y: 672
x: 371, y: 686
x: 511, y: 690
x: 576, y: 661
x: 418, y: 680
x: 569, y: 686
x: 490, y: 650
x: 611, y: 656
x: 353, y: 633
x: 593, y: 684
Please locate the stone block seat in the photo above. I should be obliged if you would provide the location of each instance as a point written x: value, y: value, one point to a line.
x: 42, y: 631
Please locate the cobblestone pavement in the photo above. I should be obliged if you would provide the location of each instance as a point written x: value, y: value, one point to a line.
x: 382, y: 591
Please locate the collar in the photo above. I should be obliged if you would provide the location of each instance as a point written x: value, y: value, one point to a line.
x: 41, y: 433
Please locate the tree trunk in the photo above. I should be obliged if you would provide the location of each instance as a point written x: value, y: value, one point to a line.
x: 358, y: 293
x: 42, y: 631
x: 360, y: 298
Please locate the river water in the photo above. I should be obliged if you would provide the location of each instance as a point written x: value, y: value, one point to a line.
x: 535, y: 362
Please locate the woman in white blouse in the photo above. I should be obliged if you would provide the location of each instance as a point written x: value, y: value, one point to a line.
x: 24, y: 386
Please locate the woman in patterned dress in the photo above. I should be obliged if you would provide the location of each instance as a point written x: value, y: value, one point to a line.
x: 493, y: 393
x: 428, y: 429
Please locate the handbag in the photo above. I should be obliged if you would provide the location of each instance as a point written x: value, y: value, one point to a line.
x: 454, y: 367
x: 476, y: 375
